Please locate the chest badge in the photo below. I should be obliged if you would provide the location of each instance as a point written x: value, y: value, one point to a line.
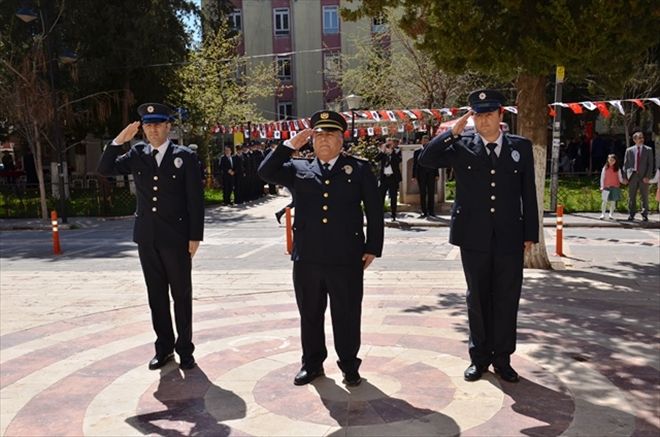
x: 348, y: 169
x: 515, y: 155
x: 178, y: 162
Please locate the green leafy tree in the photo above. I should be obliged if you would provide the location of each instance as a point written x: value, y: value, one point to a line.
x: 218, y: 86
x: 523, y: 41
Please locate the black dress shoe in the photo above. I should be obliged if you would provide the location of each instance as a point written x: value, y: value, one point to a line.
x: 352, y: 379
x: 474, y: 372
x: 507, y: 373
x: 645, y: 218
x: 159, y: 361
x: 631, y: 218
x: 187, y: 363
x: 422, y: 216
x: 306, y: 376
x: 278, y: 216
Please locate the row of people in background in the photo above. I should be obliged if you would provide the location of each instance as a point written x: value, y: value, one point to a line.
x: 637, y: 172
x: 237, y: 173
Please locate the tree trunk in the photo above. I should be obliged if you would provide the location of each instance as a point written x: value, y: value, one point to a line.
x: 38, y: 165
x: 532, y: 124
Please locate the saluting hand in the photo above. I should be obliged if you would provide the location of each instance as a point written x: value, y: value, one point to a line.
x: 128, y: 133
x: 461, y: 123
x: 301, y: 138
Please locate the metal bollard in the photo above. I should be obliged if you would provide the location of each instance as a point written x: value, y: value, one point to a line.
x: 56, y: 234
x: 289, y: 231
x: 560, y: 230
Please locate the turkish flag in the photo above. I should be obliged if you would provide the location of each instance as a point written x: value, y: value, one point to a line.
x: 575, y: 107
x: 639, y: 103
x: 602, y: 108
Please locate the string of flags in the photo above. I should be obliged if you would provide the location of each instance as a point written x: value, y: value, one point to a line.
x: 391, y: 121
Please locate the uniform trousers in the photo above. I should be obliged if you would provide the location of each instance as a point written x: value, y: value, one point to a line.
x: 635, y: 183
x: 313, y: 283
x: 494, y: 281
x: 227, y: 189
x: 426, y: 192
x: 169, y: 269
x: 390, y: 185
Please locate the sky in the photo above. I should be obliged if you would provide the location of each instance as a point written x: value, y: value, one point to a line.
x: 193, y: 26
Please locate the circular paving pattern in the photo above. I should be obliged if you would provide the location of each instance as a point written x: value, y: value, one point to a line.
x: 88, y: 375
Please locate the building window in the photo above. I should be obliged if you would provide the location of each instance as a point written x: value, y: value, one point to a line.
x: 283, y: 67
x: 330, y: 20
x: 235, y: 21
x: 281, y: 20
x: 285, y: 111
x: 378, y: 24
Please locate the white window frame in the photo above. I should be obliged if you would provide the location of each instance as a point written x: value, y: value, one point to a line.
x: 279, y: 29
x: 328, y: 16
x: 234, y: 16
x: 280, y: 62
x: 285, y: 110
x: 378, y: 24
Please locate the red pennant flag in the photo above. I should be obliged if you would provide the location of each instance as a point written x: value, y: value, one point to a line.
x: 418, y: 113
x: 383, y: 115
x: 285, y: 134
x: 362, y: 132
x: 347, y: 135
x: 575, y: 107
x: 551, y: 111
x: 437, y: 114
x: 639, y: 103
x: 378, y: 130
x: 402, y: 115
x: 454, y: 111
x: 367, y: 114
x: 602, y: 108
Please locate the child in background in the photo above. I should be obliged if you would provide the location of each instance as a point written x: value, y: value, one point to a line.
x: 610, y: 181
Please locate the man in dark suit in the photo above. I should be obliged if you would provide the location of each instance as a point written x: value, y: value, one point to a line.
x: 329, y: 248
x: 638, y: 169
x: 228, y: 175
x: 389, y: 159
x: 426, y: 180
x: 494, y: 220
x: 240, y: 180
x: 169, y: 224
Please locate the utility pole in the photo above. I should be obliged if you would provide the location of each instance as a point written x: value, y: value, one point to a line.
x: 556, y: 139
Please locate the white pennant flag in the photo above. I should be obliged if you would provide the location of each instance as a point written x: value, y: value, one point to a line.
x: 446, y: 111
x: 410, y: 114
x: 655, y: 100
x: 512, y: 109
x: 399, y: 128
x: 617, y: 104
x: 375, y: 115
x: 277, y: 135
x: 385, y: 130
x: 390, y: 115
x: 370, y: 131
x: 589, y: 105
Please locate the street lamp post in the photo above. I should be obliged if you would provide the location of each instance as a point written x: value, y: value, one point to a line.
x: 28, y: 15
x: 353, y: 102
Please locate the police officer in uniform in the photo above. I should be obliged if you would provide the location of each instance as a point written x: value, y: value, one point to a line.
x: 494, y: 220
x: 330, y: 251
x: 426, y: 181
x: 169, y: 224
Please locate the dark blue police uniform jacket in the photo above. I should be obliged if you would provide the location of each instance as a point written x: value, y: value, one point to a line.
x: 170, y: 199
x: 328, y: 226
x: 498, y: 202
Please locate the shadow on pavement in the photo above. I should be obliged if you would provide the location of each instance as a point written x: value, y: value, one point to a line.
x: 366, y: 405
x: 193, y: 406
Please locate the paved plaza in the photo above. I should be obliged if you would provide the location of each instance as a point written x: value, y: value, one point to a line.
x: 76, y: 338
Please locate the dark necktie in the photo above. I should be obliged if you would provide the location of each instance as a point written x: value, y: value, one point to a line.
x: 493, y: 155
x: 326, y: 168
x: 154, y: 152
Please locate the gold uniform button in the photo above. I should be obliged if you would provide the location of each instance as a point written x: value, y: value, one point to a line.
x: 492, y: 171
x: 326, y: 195
x: 492, y: 197
x: 492, y: 184
x: 154, y: 209
x: 327, y: 181
x: 155, y: 188
x: 325, y: 220
x: 492, y: 210
x: 155, y: 178
x: 325, y: 207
